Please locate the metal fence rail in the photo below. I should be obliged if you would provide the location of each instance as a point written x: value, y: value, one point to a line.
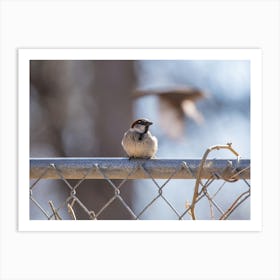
x: 205, y: 179
x: 123, y: 168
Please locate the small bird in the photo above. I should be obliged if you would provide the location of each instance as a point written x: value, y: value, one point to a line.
x: 138, y: 142
x: 175, y: 103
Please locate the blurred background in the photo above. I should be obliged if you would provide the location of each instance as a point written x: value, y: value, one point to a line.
x: 83, y: 108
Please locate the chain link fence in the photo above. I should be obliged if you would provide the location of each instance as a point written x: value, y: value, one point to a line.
x: 187, y: 189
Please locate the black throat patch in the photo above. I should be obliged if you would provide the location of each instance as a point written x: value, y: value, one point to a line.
x: 141, y: 135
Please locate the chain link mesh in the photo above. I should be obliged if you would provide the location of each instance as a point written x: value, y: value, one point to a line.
x: 216, y: 197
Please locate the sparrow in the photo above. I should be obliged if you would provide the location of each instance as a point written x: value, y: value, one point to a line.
x: 138, y: 142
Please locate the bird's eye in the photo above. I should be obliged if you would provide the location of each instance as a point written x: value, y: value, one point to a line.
x: 139, y: 122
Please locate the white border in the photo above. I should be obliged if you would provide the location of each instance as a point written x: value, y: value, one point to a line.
x: 254, y: 55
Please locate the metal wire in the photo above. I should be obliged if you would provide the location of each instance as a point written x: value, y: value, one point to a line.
x: 212, y: 179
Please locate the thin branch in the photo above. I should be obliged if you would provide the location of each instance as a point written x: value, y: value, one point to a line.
x: 233, y: 206
x: 71, y: 210
x: 56, y: 215
x: 199, y: 174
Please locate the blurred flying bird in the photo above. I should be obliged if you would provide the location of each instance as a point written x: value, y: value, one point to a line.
x: 174, y: 105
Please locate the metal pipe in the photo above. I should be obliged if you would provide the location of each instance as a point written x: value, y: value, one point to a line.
x: 122, y: 168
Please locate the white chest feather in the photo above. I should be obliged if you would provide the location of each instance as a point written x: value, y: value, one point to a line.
x: 140, y: 147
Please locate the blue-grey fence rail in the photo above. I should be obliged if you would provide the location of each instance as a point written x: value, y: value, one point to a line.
x: 121, y: 168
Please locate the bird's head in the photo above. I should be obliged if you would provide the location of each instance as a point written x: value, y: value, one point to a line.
x: 141, y: 125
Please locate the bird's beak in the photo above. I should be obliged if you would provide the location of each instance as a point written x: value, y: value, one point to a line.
x: 150, y: 123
